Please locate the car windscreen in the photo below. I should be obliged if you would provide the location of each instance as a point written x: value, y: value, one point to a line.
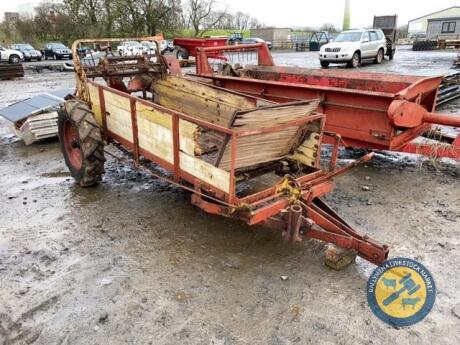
x: 24, y: 46
x: 349, y: 37
x: 58, y: 45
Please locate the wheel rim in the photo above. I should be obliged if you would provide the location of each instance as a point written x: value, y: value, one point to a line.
x: 15, y: 59
x: 380, y: 57
x: 72, y: 145
x: 355, y: 60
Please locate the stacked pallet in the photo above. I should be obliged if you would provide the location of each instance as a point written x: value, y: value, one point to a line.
x: 37, y: 127
x: 9, y: 71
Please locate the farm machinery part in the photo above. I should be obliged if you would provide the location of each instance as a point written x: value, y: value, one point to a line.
x: 369, y: 110
x: 185, y: 47
x: 240, y: 156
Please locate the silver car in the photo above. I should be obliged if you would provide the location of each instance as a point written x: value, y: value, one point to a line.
x: 354, y: 46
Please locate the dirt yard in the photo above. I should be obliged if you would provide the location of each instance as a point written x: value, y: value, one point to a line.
x: 132, y: 262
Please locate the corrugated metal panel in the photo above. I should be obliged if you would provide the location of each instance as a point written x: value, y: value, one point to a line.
x: 34, y: 105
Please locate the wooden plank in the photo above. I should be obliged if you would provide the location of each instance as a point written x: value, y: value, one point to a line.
x: 198, y: 100
x: 95, y: 104
x: 267, y: 147
x: 156, y: 122
x: 118, y: 115
x: 261, y: 148
x: 206, y: 172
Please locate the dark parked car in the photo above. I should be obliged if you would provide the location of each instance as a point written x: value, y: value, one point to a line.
x: 56, y: 51
x: 29, y: 52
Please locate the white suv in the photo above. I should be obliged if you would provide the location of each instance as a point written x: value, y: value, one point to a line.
x: 10, y: 55
x: 354, y: 46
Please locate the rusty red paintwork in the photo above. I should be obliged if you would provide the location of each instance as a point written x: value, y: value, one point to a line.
x: 71, y: 145
x: 369, y: 110
x: 192, y: 44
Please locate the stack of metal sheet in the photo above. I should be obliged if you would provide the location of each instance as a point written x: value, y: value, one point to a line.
x: 449, y: 88
x: 35, y: 118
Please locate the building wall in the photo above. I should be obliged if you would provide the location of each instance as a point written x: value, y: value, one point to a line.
x: 420, y: 25
x: 274, y: 35
x: 434, y: 29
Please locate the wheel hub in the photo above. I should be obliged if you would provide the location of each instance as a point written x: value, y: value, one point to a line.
x: 72, y: 145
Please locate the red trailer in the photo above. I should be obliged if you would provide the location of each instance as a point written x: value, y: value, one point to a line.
x: 368, y: 110
x: 186, y: 47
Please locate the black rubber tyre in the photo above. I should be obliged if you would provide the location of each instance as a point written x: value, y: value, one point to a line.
x: 379, y: 57
x: 355, y: 60
x: 391, y: 55
x: 81, y: 142
x: 182, y: 54
x: 14, y: 58
x: 324, y: 64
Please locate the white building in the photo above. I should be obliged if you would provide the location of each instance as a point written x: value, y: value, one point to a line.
x: 420, y: 25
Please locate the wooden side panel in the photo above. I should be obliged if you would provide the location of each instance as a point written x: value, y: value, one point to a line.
x: 307, y: 153
x: 260, y: 148
x: 156, y: 126
x: 95, y: 104
x: 198, y: 100
x: 155, y: 136
x: 267, y: 147
x: 206, y: 172
x: 118, y: 115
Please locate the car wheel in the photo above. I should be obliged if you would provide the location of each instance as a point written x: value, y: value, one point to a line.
x: 14, y: 59
x: 324, y: 64
x: 379, y: 57
x: 39, y: 59
x: 355, y: 60
x: 182, y: 54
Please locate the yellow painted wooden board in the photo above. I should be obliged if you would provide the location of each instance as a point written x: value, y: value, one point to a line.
x: 118, y: 117
x: 206, y: 172
x: 156, y: 122
x: 95, y: 104
x: 155, y: 136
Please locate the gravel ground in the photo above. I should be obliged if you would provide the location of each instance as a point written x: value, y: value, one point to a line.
x: 132, y: 262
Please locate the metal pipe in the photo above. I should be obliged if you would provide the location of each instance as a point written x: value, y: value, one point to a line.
x: 442, y: 119
x: 292, y: 233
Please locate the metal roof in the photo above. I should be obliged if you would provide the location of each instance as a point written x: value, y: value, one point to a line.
x: 34, y: 105
x: 444, y: 19
x: 430, y: 14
